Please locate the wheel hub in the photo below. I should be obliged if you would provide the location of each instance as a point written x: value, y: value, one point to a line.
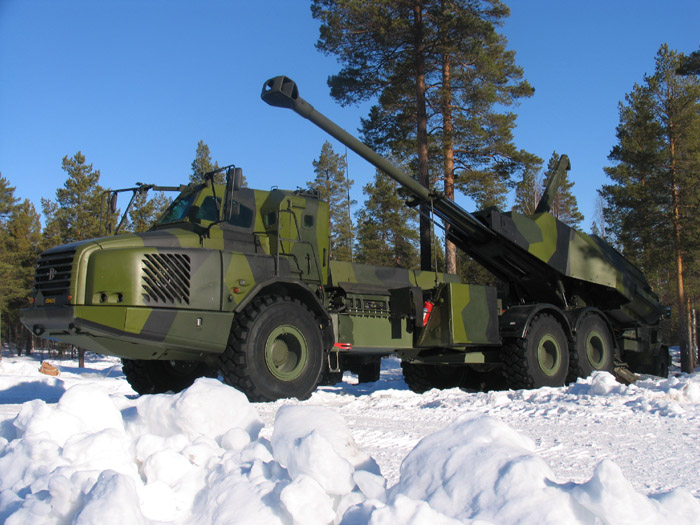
x: 595, y: 349
x: 548, y: 355
x: 286, y: 352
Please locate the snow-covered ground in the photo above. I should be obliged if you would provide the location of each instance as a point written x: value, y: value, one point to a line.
x: 83, y: 448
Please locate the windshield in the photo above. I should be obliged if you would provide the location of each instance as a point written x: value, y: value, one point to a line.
x: 179, y: 209
x: 195, y: 207
x: 184, y: 209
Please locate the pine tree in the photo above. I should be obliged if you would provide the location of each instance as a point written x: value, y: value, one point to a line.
x: 382, y: 46
x: 145, y: 211
x: 528, y: 191
x: 334, y: 188
x: 386, y: 232
x: 160, y: 204
x: 20, y: 244
x: 564, y: 206
x: 202, y: 164
x: 51, y: 234
x: 75, y: 215
x: 636, y: 200
x: 653, y: 202
x: 8, y: 203
x: 7, y: 199
x: 690, y: 65
x: 433, y: 64
x: 23, y: 247
x: 599, y: 226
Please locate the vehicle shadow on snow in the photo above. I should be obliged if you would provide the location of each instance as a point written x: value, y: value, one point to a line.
x: 30, y: 390
x: 391, y: 378
x: 87, y: 372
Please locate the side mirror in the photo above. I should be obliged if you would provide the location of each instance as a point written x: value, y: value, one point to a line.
x: 234, y: 182
x: 113, y: 202
x: 193, y: 214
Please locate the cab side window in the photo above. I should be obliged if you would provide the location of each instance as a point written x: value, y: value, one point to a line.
x: 208, y: 211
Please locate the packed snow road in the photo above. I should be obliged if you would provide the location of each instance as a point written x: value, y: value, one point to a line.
x: 83, y: 448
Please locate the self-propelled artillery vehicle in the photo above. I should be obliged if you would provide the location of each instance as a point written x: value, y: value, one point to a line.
x: 238, y: 282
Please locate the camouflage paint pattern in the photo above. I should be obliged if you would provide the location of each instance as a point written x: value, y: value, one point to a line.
x: 546, y: 256
x: 365, y: 276
x: 464, y: 314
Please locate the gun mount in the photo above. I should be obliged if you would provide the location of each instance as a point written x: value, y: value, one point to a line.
x: 539, y: 258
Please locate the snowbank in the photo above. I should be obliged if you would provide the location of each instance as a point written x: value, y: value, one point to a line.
x: 198, y: 457
x: 478, y: 468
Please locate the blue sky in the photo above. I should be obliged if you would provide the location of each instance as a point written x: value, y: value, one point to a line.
x: 135, y: 85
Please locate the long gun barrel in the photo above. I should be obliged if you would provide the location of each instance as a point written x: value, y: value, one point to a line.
x: 282, y: 92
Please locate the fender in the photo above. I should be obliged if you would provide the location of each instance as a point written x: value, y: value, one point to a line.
x: 515, y: 322
x: 298, y: 290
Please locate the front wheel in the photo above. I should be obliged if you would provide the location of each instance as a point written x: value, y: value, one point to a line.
x: 540, y: 359
x: 275, y: 350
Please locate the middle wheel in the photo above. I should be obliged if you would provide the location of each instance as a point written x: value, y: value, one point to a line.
x: 541, y: 359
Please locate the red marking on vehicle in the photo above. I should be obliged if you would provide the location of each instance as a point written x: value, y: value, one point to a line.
x: 427, y: 310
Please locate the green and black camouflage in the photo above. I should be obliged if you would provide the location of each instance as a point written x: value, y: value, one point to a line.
x: 239, y: 281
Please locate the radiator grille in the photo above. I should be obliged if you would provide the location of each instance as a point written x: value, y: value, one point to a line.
x: 53, y: 272
x: 166, y: 278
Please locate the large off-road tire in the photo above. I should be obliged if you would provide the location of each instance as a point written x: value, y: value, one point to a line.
x: 661, y: 363
x: 421, y: 378
x: 540, y: 359
x: 592, y: 350
x: 157, y: 377
x: 275, y: 350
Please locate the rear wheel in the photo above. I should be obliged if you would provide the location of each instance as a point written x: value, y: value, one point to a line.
x: 156, y: 377
x: 540, y: 359
x: 593, y: 349
x: 275, y: 350
x: 661, y: 363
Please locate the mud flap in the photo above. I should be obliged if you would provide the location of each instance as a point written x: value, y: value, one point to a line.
x: 623, y: 374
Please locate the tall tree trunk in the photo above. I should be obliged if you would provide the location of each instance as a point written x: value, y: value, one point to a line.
x: 426, y: 262
x: 686, y: 347
x: 449, y: 156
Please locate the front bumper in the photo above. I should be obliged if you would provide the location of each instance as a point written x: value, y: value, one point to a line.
x: 133, y: 332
